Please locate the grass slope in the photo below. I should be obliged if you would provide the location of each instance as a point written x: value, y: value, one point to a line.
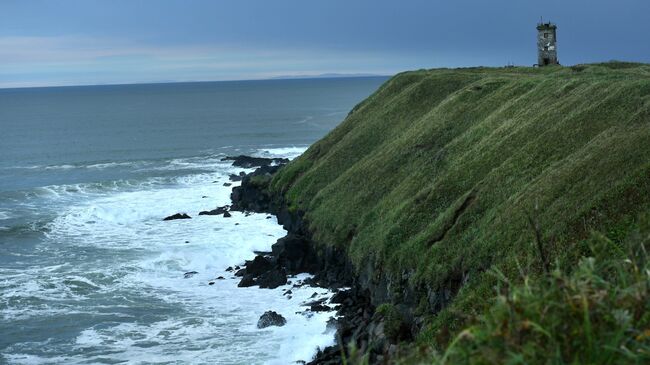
x: 439, y: 174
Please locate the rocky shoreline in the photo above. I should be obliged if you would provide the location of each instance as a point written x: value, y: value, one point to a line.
x: 373, y: 332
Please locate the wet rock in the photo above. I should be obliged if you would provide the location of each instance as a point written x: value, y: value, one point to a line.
x: 246, y: 281
x: 332, y: 324
x: 271, y: 318
x: 221, y: 278
x: 248, y: 161
x: 217, y: 211
x: 288, y: 292
x: 189, y: 274
x: 229, y: 269
x: 258, y: 266
x: 211, y: 283
x: 227, y: 215
x: 272, y: 279
x: 233, y: 177
x: 320, y: 308
x: 177, y: 216
x: 227, y: 184
x: 341, y: 296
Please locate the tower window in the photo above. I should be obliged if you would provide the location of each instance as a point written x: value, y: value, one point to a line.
x: 545, y: 35
x: 546, y: 48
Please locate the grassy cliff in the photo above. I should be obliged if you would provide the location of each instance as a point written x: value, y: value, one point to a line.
x: 443, y: 177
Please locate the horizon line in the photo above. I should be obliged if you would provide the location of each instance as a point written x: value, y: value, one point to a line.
x: 273, y: 78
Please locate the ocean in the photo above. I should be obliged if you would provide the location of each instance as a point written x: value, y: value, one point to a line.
x: 89, y: 271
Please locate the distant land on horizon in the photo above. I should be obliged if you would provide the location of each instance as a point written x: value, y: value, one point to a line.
x: 282, y: 77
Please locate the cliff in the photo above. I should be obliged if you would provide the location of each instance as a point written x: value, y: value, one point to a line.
x: 442, y: 178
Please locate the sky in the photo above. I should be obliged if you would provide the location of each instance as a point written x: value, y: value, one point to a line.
x: 81, y: 42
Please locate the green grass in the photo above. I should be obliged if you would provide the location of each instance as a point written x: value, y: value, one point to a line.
x: 432, y: 178
x: 597, y: 313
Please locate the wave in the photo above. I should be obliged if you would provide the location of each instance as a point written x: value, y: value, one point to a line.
x: 286, y: 152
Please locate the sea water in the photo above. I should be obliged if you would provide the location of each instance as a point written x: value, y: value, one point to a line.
x: 89, y: 271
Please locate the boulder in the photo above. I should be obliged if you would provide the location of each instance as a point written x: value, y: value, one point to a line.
x: 177, y: 216
x: 272, y: 279
x: 189, y: 274
x: 248, y: 161
x: 271, y: 318
x: 246, y: 281
x: 227, y: 215
x: 258, y: 266
x: 217, y: 211
x: 234, y: 177
x: 320, y: 308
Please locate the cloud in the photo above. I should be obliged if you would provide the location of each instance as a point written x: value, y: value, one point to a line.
x: 73, y: 60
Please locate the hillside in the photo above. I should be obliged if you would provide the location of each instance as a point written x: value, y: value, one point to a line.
x: 443, y: 177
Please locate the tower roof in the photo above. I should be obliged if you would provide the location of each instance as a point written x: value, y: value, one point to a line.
x: 547, y: 25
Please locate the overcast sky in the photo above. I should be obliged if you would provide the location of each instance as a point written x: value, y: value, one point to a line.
x: 70, y: 42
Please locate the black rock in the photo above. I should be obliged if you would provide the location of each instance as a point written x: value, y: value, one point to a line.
x: 211, y: 283
x: 221, y: 278
x: 246, y: 281
x: 268, y: 217
x: 189, y: 274
x: 234, y: 177
x: 219, y: 210
x: 227, y: 184
x: 229, y: 269
x: 258, y: 266
x: 271, y: 318
x: 341, y: 296
x: 332, y: 324
x: 177, y: 216
x: 248, y: 161
x: 288, y: 292
x: 320, y: 308
x: 271, y: 279
x: 227, y: 215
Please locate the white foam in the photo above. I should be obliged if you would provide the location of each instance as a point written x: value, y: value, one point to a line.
x: 4, y: 215
x: 138, y: 255
x: 286, y: 152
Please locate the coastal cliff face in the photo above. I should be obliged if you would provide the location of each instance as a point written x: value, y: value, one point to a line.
x: 443, y: 177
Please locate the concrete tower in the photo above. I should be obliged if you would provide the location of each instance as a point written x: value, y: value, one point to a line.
x: 547, y: 44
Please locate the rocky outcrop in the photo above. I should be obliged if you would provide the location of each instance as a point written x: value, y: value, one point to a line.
x: 217, y: 211
x: 297, y: 252
x: 249, y: 162
x: 177, y: 216
x: 271, y: 318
